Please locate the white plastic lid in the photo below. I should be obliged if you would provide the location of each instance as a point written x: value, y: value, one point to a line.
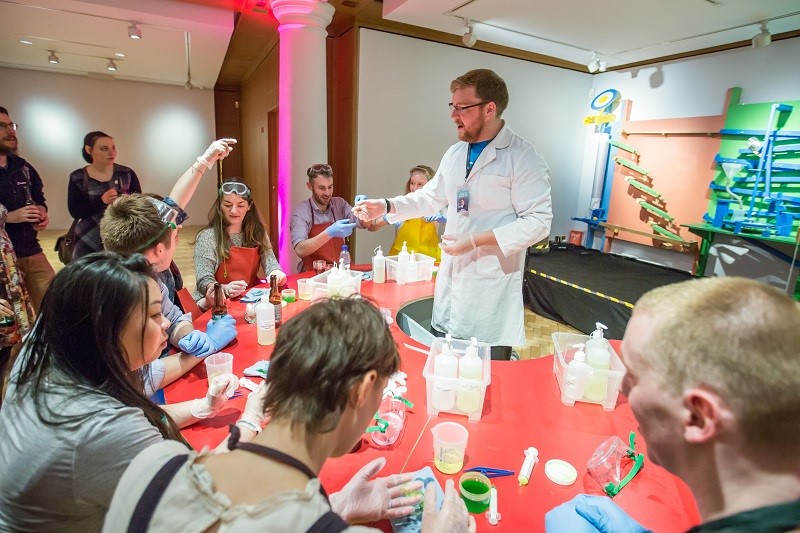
x: 560, y: 472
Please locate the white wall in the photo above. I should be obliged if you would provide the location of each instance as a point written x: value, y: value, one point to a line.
x: 403, y: 119
x: 159, y: 130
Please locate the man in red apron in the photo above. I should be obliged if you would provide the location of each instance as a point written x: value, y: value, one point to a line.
x: 321, y: 224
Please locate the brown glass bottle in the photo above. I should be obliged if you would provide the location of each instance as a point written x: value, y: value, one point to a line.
x: 220, y: 309
x: 275, y: 299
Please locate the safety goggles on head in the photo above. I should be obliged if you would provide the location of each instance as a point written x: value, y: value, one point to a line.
x: 235, y: 187
x: 319, y: 169
x: 168, y: 215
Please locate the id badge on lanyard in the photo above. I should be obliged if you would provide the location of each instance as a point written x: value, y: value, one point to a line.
x: 462, y: 199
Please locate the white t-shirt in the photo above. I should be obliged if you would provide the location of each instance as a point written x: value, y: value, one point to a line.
x: 62, y: 477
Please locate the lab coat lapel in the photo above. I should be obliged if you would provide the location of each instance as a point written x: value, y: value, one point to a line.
x: 489, y: 154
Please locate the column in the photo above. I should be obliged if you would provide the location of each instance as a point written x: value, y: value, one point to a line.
x: 302, y: 106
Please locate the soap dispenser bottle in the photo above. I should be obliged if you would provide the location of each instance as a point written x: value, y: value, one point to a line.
x: 402, y: 265
x: 445, y: 371
x: 378, y: 266
x: 470, y: 372
x: 598, y: 356
x: 575, y: 376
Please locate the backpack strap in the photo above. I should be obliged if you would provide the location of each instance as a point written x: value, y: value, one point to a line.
x: 330, y: 522
x: 143, y: 512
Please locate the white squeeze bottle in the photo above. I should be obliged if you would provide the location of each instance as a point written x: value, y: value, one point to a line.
x: 445, y: 365
x: 470, y: 371
x: 412, y: 268
x: 402, y: 265
x: 378, y: 266
x: 576, y: 374
x: 597, y: 356
x: 265, y: 320
x: 334, y: 280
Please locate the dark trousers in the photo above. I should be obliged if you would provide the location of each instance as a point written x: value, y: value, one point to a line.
x: 498, y: 353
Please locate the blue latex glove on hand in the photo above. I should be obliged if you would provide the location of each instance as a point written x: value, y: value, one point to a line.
x: 217, y: 335
x: 395, y: 224
x: 340, y: 229
x: 361, y: 198
x: 196, y: 343
x: 606, y: 515
x: 438, y: 217
x: 590, y: 514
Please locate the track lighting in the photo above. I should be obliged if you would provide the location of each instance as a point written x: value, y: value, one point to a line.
x: 111, y: 65
x: 602, y: 66
x: 469, y: 38
x: 53, y: 58
x: 594, y: 64
x: 762, y: 39
x: 134, y: 32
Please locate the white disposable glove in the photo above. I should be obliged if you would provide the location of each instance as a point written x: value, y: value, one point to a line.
x: 234, y: 289
x: 219, y: 149
x: 365, y: 500
x: 452, y: 518
x: 219, y: 391
x: 254, y: 406
x: 281, y: 276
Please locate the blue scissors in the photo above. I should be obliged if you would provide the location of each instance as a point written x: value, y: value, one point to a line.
x: 490, y: 472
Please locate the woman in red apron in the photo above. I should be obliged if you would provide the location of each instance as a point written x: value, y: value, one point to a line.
x: 235, y: 245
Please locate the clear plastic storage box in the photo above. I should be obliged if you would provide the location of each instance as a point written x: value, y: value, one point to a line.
x: 590, y: 385
x: 454, y: 395
x: 320, y: 288
x: 422, y: 269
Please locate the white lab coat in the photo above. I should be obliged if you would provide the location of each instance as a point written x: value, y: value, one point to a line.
x: 479, y: 294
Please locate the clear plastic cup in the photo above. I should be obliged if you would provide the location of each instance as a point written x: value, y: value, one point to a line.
x: 303, y: 289
x: 217, y: 364
x: 449, y: 446
x: 394, y: 412
x: 610, y: 462
x: 319, y: 266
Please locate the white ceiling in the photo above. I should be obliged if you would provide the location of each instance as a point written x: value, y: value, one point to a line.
x: 620, y: 31
x: 85, y: 33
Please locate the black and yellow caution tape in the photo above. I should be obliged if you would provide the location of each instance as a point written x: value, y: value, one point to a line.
x: 584, y: 289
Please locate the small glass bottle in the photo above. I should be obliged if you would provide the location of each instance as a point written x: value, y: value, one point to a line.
x: 275, y: 299
x: 220, y: 309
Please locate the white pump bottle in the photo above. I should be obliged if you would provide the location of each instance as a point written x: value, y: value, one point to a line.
x: 445, y: 365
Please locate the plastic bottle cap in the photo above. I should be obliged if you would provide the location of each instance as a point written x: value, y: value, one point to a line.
x: 560, y: 472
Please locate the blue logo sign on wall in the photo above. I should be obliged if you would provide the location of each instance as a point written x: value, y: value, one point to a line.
x: 605, y: 99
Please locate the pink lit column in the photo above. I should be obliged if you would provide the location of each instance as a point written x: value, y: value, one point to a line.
x: 302, y: 106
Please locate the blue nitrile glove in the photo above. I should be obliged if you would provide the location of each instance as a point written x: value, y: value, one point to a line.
x: 606, y: 515
x: 361, y: 197
x: 221, y: 331
x: 196, y: 343
x: 395, y: 224
x: 341, y: 228
x: 438, y: 217
x: 565, y: 518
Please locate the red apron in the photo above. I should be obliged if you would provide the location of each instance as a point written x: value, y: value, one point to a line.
x: 242, y: 264
x: 330, y: 250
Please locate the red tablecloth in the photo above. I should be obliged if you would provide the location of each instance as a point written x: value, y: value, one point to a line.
x: 522, y: 409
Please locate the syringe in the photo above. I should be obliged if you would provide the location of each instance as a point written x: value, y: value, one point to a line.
x: 531, y: 457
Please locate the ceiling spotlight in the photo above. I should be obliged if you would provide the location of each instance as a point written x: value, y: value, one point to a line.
x: 134, y: 32
x: 469, y: 38
x: 594, y: 64
x: 53, y: 58
x: 762, y: 39
x: 602, y: 66
x: 111, y: 65
x: 25, y: 41
x: 119, y: 54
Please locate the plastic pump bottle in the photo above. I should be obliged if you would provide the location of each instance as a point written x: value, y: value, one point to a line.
x: 411, y: 275
x: 597, y: 356
x: 378, y: 266
x: 470, y: 371
x: 344, y: 258
x: 335, y: 279
x: 576, y: 374
x: 402, y: 265
x: 265, y: 320
x: 445, y: 365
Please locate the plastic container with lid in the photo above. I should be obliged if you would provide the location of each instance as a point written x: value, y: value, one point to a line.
x: 420, y: 269
x: 344, y: 284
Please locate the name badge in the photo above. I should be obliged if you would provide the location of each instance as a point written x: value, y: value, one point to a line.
x: 462, y: 200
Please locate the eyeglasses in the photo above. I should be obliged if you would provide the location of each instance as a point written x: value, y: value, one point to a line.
x: 10, y: 125
x: 235, y: 187
x: 319, y: 168
x: 459, y: 109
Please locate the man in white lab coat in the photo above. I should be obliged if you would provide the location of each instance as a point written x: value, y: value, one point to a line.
x: 496, y: 187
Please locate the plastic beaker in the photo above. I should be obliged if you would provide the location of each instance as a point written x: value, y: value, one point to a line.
x: 475, y: 491
x: 303, y: 289
x: 394, y: 412
x: 219, y: 363
x: 610, y: 462
x: 449, y: 445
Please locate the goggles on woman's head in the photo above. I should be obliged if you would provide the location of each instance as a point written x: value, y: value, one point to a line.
x: 234, y: 187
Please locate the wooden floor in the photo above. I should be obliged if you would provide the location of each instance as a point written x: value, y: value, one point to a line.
x: 538, y: 330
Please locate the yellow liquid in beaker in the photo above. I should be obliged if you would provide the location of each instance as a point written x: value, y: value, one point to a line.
x: 449, y: 461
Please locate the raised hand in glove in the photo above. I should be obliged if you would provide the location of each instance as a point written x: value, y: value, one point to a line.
x: 219, y: 390
x: 219, y: 149
x: 365, y: 500
x: 341, y: 228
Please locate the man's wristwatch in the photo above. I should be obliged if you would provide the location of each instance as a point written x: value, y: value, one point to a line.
x: 388, y: 205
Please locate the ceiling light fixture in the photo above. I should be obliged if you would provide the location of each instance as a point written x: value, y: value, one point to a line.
x: 594, y: 64
x: 762, y: 39
x: 25, y: 41
x: 134, y: 32
x: 53, y: 58
x: 602, y: 65
x: 119, y: 54
x: 111, y: 65
x: 468, y: 38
